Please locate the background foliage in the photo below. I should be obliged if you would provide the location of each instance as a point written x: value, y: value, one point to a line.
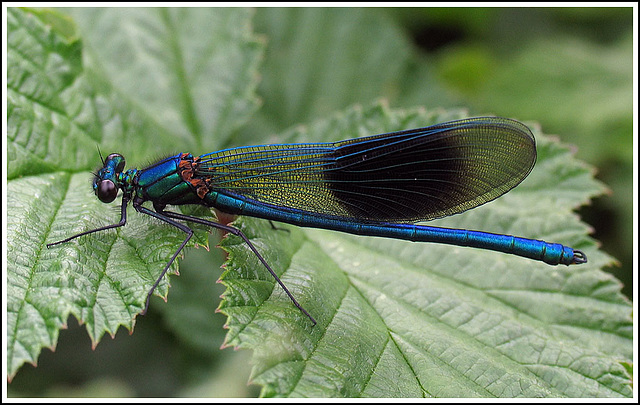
x: 568, y: 69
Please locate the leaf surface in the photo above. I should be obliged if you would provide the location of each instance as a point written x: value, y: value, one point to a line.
x: 409, y: 319
x: 60, y: 107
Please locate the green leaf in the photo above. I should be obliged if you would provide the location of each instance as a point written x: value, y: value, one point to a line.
x: 322, y: 60
x: 59, y: 108
x: 587, y: 93
x: 192, y: 69
x: 425, y: 320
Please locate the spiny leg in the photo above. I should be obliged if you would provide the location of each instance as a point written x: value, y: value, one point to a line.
x: 123, y: 221
x: 238, y: 232
x: 178, y: 225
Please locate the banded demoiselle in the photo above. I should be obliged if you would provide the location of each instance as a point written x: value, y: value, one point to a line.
x: 376, y: 186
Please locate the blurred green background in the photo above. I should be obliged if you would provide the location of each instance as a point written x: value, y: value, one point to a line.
x: 569, y: 69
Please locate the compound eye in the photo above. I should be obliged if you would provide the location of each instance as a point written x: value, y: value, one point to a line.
x: 106, y: 191
x: 121, y: 162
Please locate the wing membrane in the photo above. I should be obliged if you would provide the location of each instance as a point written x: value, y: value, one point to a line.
x: 405, y: 176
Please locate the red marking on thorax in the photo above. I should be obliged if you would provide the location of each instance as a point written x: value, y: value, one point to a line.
x: 187, y: 170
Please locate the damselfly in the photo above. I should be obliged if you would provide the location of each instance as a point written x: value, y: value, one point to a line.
x: 376, y: 186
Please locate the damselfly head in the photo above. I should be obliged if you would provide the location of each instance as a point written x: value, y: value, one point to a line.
x: 105, y: 182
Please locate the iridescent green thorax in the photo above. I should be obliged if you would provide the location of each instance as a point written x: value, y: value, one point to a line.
x: 169, y: 181
x: 126, y: 181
